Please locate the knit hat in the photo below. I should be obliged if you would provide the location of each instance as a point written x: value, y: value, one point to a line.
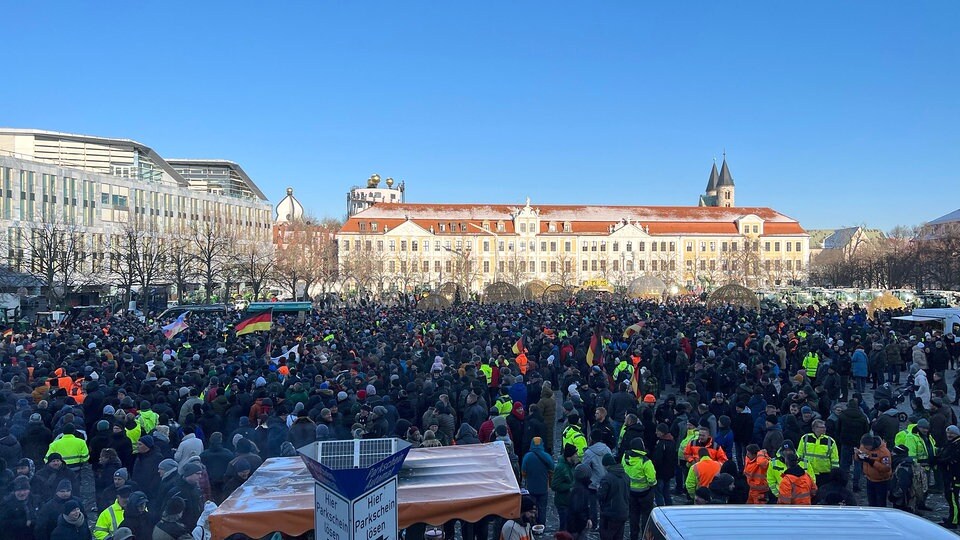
x: 649, y: 398
x: 54, y: 456
x: 341, y: 396
x: 103, y: 425
x: 20, y: 483
x: 64, y: 485
x: 70, y: 506
x: 190, y: 469
x: 123, y: 533
x: 806, y: 410
x: 569, y: 450
x: 167, y: 465
x: 174, y: 507
x: 923, y: 423
x: 35, y: 418
x: 121, y: 473
x: 148, y: 441
x: 108, y: 410
x: 527, y: 504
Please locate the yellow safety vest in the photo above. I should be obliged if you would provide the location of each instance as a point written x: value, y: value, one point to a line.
x: 73, y: 450
x: 819, y: 453
x: 573, y: 436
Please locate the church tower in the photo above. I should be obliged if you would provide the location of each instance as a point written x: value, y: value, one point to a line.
x: 709, y: 197
x: 725, y: 187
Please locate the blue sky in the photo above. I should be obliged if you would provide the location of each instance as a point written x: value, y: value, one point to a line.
x: 834, y: 113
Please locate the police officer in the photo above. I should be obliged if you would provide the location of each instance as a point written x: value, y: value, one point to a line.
x: 819, y: 451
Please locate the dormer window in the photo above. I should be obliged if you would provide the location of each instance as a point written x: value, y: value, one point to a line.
x: 363, y: 226
x: 486, y: 225
x: 500, y: 226
x: 373, y: 226
x: 443, y: 227
x: 567, y: 227
x: 552, y: 227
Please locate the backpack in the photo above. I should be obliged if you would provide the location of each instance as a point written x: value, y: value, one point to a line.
x: 916, y: 486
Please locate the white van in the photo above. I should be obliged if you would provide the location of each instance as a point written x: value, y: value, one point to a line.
x: 776, y: 522
x: 949, y: 316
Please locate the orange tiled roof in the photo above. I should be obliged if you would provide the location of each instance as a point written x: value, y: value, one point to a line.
x: 459, y: 219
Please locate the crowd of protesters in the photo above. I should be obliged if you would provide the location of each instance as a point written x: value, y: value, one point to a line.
x: 110, y: 429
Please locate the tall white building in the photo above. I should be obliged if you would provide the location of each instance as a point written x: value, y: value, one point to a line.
x: 97, y: 185
x: 360, y: 198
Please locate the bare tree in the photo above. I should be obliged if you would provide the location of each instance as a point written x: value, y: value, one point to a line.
x: 212, y: 246
x: 149, y: 256
x: 256, y: 266
x: 56, y: 255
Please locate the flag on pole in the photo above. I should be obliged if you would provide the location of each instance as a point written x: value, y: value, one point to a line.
x: 261, y: 322
x: 595, y: 350
x: 635, y: 381
x: 633, y: 329
x: 518, y: 347
x: 177, y: 326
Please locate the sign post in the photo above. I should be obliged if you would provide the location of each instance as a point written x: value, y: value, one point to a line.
x: 355, y: 489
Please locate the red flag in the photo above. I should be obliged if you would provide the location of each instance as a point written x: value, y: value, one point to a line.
x: 518, y: 347
x: 595, y: 351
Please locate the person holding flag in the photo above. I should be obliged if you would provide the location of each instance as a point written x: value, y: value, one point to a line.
x: 177, y: 326
x: 521, y: 352
x: 260, y: 322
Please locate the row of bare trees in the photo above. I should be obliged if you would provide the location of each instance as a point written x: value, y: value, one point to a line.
x: 138, y: 256
x: 908, y: 257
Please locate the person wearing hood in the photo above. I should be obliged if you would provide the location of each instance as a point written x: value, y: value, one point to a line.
x: 71, y: 523
x: 244, y: 430
x: 241, y: 472
x: 613, y: 499
x: 876, y: 462
x: 548, y: 408
x: 52, y: 509
x: 190, y: 446
x: 518, y: 391
x: 796, y: 486
x: 593, y: 460
x: 922, y: 387
x: 580, y: 512
x: 466, y: 435
x: 215, y: 460
x: 534, y: 426
x: 833, y: 490
x: 135, y: 516
x: 474, y: 413
x: 430, y: 440
x: 536, y: 467
x: 643, y: 477
x: 516, y: 421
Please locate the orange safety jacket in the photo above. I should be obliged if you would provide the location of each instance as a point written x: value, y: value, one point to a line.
x: 797, y: 489
x: 756, y: 471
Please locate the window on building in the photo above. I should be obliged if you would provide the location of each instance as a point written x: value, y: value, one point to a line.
x: 703, y: 246
x: 486, y: 267
x: 798, y: 248
x: 393, y: 245
x: 653, y: 246
x: 523, y: 227
x: 368, y: 245
x: 392, y: 266
x: 523, y: 266
x: 663, y: 246
x: 543, y: 246
x: 789, y: 264
x: 723, y: 246
x: 436, y: 266
x: 403, y: 245
x: 379, y: 245
x: 689, y: 247
x: 500, y: 245
x: 713, y: 246
x: 616, y: 265
x: 346, y: 245
x: 567, y: 227
x: 603, y: 245
x: 552, y: 226
x: 362, y: 225
x: 653, y: 265
x: 459, y: 245
x: 585, y: 265
x: 510, y: 246
x: 593, y: 265
x: 689, y: 264
x: 585, y: 246
x: 523, y: 247
x: 414, y: 246
x: 448, y: 266
x: 567, y: 246
x: 703, y: 264
x: 500, y: 226
x: 373, y: 226
x: 443, y: 227
x: 776, y: 246
x: 789, y: 246
x: 356, y: 245
x: 543, y: 267
x: 628, y: 246
x: 641, y: 265
x: 553, y: 247
x: 766, y: 246
x: 616, y: 246
x: 756, y: 229
x: 486, y: 246
x: 641, y: 246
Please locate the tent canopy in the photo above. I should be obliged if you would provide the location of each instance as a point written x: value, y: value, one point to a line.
x: 435, y: 486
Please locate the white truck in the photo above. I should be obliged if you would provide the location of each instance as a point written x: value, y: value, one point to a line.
x: 945, y: 319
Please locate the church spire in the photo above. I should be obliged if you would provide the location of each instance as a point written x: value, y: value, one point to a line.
x: 712, y: 182
x: 726, y: 179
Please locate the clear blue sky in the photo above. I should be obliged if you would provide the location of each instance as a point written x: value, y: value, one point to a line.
x: 832, y: 112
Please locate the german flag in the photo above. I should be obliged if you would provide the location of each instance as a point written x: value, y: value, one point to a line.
x: 8, y: 332
x: 261, y: 322
x: 518, y: 347
x: 595, y: 350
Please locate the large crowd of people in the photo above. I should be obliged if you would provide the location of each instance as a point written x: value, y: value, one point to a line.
x: 111, y: 429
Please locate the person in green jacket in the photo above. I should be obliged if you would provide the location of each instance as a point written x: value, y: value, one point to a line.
x: 643, y: 476
x: 779, y: 464
x: 562, y: 483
